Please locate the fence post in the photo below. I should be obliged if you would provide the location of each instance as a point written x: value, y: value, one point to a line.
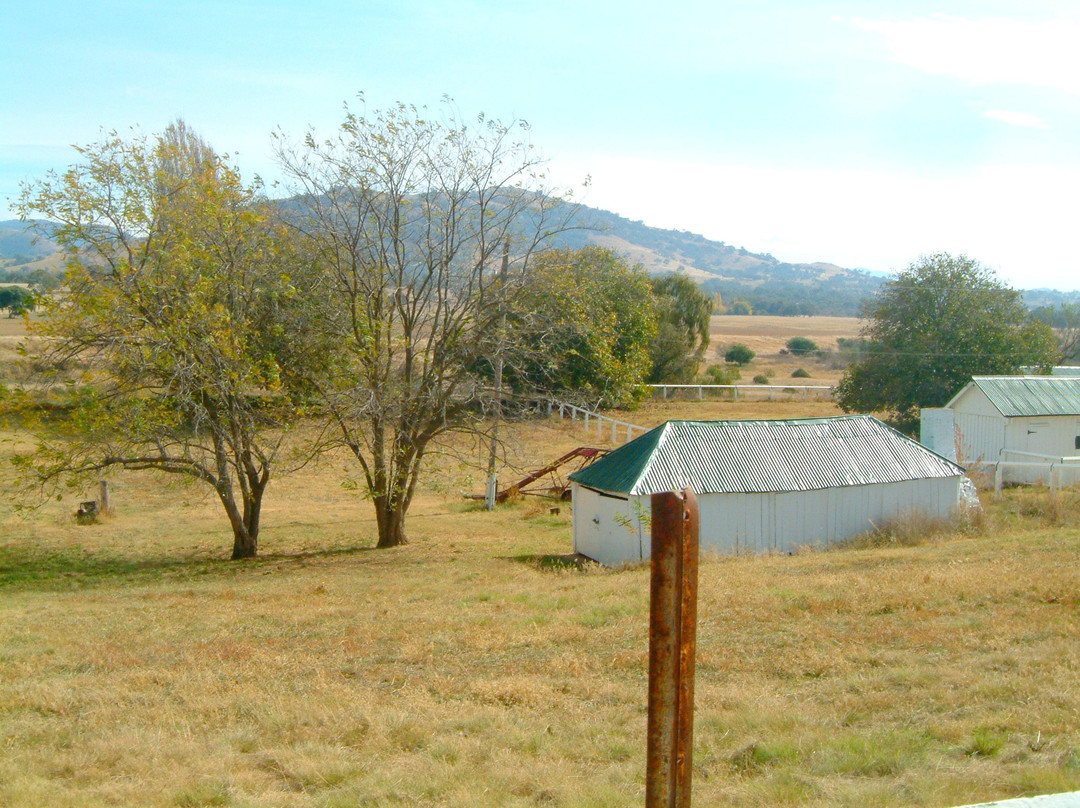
x: 672, y: 649
x: 997, y: 480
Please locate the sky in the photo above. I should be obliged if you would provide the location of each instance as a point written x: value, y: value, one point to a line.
x: 863, y: 134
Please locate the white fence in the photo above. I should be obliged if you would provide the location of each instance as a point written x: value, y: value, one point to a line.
x: 595, y: 422
x: 1052, y: 470
x: 797, y: 390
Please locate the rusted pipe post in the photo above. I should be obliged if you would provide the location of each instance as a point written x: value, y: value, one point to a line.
x: 672, y: 648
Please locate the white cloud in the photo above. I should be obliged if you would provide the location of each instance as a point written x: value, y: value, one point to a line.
x: 986, y: 51
x: 1016, y: 118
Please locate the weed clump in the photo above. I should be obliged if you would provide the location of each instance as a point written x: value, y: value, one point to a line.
x: 909, y: 529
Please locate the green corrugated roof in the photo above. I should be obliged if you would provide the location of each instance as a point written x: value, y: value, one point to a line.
x: 762, y: 456
x: 1029, y: 395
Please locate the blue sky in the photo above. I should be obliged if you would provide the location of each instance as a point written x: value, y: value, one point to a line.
x: 860, y: 133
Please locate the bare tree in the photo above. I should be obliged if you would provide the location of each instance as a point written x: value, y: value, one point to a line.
x: 406, y: 218
x: 178, y: 282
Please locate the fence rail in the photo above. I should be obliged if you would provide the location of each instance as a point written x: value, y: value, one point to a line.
x: 1057, y: 473
x: 772, y: 389
x: 602, y: 422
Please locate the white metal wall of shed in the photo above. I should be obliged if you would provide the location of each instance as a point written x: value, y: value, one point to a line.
x: 983, y: 433
x: 980, y: 438
x: 609, y: 529
x: 614, y: 531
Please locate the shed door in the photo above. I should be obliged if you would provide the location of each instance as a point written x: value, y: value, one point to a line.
x: 1042, y: 438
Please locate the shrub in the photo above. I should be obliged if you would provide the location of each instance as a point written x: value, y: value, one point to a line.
x: 801, y: 346
x: 800, y: 374
x: 739, y: 354
x: 761, y: 378
x: 717, y: 374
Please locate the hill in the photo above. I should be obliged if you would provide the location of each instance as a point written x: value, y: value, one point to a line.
x: 769, y: 285
x: 24, y: 253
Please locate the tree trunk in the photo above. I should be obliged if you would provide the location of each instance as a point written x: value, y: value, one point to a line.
x: 390, y: 516
x: 245, y: 545
x: 245, y: 525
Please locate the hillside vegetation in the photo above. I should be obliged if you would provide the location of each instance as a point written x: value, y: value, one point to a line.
x: 769, y: 285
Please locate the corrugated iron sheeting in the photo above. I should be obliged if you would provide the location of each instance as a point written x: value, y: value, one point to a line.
x: 1032, y: 395
x: 763, y: 456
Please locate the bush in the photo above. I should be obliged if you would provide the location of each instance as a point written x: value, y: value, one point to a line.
x: 761, y: 378
x: 800, y: 374
x: 716, y: 374
x: 739, y: 354
x: 801, y: 346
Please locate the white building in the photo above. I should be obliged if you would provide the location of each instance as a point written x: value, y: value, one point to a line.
x: 1033, y: 420
x: 761, y: 485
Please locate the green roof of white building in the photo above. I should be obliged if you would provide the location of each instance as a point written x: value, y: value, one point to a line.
x: 764, y: 456
x: 1014, y: 396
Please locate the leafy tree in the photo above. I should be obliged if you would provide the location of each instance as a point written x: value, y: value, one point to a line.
x: 42, y: 281
x: 801, y: 346
x: 1065, y: 320
x: 684, y: 313
x: 583, y: 323
x: 179, y: 292
x: 739, y: 354
x: 944, y: 319
x: 15, y: 300
x: 406, y: 217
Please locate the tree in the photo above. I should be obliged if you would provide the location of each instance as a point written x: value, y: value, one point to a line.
x: 739, y: 354
x: 801, y: 346
x: 1065, y: 320
x: 583, y: 322
x: 684, y: 313
x: 944, y: 319
x: 14, y: 299
x: 407, y: 218
x: 178, y: 294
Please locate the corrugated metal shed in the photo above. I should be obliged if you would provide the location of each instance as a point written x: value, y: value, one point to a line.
x: 1020, y: 396
x: 764, y: 456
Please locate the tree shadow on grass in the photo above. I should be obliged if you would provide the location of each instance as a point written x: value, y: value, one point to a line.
x: 558, y: 562
x: 29, y: 568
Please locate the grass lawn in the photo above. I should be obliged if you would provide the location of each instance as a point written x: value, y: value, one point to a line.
x: 480, y: 666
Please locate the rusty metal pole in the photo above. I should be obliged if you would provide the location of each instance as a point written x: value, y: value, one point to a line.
x: 672, y: 649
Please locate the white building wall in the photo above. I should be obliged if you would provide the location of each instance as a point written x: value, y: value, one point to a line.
x: 984, y: 435
x: 615, y: 531
x: 609, y: 529
x: 1054, y: 436
x: 980, y: 428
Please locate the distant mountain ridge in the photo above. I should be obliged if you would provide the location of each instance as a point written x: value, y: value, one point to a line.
x: 767, y: 284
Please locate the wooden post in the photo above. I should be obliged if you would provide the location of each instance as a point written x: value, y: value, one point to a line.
x: 103, y: 496
x: 672, y: 649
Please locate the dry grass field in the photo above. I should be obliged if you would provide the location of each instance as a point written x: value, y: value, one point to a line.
x: 481, y: 665
x: 767, y: 336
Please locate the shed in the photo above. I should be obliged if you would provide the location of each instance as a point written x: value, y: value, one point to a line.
x: 1018, y: 419
x: 761, y: 485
